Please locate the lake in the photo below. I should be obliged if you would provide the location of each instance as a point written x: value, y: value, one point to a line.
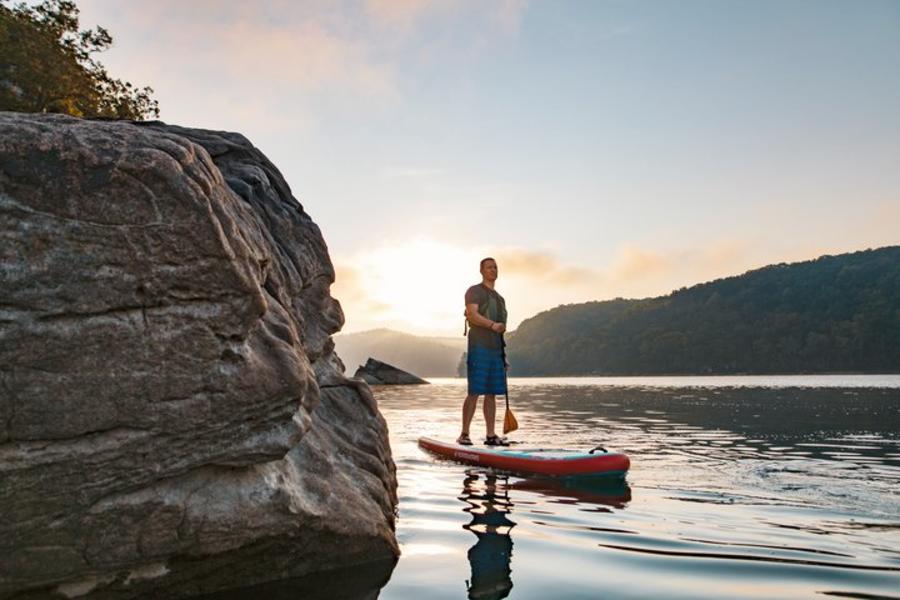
x: 740, y: 487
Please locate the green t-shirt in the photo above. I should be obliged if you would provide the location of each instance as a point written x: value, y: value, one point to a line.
x: 490, y: 305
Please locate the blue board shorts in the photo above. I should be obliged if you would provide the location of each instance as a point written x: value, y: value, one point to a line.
x: 485, y: 371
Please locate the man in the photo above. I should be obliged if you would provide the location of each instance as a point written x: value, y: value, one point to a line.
x: 486, y: 316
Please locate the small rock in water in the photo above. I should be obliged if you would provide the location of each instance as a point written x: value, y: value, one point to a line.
x: 381, y: 373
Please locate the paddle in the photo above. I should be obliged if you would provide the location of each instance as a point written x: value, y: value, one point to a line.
x: 509, y: 419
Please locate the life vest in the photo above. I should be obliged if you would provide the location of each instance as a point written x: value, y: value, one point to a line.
x: 483, y: 310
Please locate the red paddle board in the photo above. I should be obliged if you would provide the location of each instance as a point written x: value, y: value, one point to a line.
x: 559, y: 463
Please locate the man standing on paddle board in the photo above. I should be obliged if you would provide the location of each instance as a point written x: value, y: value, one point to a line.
x: 486, y: 371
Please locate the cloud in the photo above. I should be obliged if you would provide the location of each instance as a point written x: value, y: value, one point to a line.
x: 535, y: 265
x: 400, y: 13
x: 644, y: 271
x: 290, y: 49
x: 881, y: 228
x: 404, y: 15
x: 635, y: 271
x: 636, y: 263
x: 436, y: 273
x: 349, y: 289
x: 283, y: 65
x: 508, y: 14
x: 306, y: 55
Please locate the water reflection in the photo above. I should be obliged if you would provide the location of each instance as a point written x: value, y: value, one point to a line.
x: 356, y: 582
x: 601, y: 493
x: 741, y: 493
x: 487, y: 498
x: 488, y: 503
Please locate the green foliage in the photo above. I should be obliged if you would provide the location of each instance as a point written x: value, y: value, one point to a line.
x: 833, y: 314
x: 46, y: 66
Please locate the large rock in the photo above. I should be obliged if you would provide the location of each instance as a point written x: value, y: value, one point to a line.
x: 172, y: 414
x: 380, y: 373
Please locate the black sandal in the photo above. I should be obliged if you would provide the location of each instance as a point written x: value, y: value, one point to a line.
x: 495, y: 440
x: 464, y: 440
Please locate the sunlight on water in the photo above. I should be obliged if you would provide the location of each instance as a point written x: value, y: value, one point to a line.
x: 704, y: 381
x: 735, y: 492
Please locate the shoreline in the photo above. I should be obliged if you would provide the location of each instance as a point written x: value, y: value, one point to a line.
x: 848, y: 381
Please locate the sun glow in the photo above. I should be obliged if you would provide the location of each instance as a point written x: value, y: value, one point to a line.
x: 416, y: 286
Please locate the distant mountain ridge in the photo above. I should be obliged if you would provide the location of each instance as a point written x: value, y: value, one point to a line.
x: 832, y: 314
x: 425, y: 356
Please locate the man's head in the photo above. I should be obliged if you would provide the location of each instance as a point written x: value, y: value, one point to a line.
x: 488, y: 268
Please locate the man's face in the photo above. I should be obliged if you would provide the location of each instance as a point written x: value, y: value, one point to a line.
x: 489, y: 270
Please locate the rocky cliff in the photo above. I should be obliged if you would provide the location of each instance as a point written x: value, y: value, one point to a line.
x: 173, y: 419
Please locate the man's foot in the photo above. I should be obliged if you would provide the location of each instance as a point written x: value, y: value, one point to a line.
x: 495, y: 440
x: 464, y: 440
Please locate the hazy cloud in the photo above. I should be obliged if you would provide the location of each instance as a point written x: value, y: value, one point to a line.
x: 635, y: 271
x: 637, y: 263
x: 634, y: 268
x: 401, y: 13
x: 244, y: 62
x: 304, y: 54
x: 348, y: 288
x: 537, y: 280
x: 404, y: 14
x: 882, y: 228
x: 508, y: 13
x: 535, y: 265
x: 284, y: 47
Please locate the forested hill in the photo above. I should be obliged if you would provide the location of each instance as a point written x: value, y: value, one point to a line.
x: 836, y: 314
x: 421, y: 355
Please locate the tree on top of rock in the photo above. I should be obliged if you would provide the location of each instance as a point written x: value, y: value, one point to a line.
x: 46, y: 66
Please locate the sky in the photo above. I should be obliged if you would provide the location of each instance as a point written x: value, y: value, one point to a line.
x: 597, y: 149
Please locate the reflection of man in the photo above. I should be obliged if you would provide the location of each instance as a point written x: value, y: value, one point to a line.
x: 490, y: 556
x: 486, y: 315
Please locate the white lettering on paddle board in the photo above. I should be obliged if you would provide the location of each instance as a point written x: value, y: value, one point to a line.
x: 465, y: 455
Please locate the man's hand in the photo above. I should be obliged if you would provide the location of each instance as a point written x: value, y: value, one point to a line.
x: 481, y: 321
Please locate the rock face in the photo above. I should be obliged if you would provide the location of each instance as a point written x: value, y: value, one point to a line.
x: 381, y: 373
x: 173, y: 419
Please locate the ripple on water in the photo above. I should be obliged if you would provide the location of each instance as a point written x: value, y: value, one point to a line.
x: 734, y: 492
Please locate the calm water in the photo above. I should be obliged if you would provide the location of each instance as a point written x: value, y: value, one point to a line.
x: 735, y: 491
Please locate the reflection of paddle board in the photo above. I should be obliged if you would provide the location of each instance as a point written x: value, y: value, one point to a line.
x: 577, y: 490
x: 560, y: 463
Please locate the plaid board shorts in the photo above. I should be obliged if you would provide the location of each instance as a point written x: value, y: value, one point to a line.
x: 485, y: 371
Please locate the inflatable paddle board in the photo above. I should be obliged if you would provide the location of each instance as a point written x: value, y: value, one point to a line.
x: 558, y: 463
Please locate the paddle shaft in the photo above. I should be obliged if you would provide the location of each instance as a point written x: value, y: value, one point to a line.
x: 505, y: 374
x: 509, y: 419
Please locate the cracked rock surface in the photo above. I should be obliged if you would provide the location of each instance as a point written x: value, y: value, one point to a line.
x: 173, y: 419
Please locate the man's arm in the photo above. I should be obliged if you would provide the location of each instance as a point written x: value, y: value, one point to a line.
x: 475, y: 318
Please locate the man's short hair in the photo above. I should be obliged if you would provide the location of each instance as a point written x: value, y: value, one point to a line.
x: 484, y: 260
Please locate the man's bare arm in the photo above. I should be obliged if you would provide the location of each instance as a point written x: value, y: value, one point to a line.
x: 475, y: 318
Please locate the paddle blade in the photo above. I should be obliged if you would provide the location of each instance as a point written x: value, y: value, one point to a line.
x: 509, y: 422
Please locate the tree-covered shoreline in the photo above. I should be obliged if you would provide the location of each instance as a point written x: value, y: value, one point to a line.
x: 835, y: 314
